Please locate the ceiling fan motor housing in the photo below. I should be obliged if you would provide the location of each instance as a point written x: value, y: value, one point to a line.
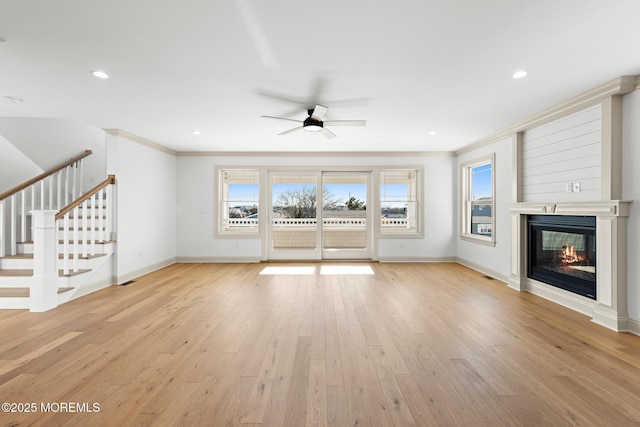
x: 312, y: 125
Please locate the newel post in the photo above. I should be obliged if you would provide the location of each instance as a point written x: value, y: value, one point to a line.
x: 44, y: 283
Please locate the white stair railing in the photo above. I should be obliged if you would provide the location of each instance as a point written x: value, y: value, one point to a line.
x: 84, y: 224
x: 48, y: 191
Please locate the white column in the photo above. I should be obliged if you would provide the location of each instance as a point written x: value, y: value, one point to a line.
x: 44, y: 283
x: 611, y: 271
x: 518, y: 277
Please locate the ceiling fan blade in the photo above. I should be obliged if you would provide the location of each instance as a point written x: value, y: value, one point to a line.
x: 285, y: 98
x: 319, y: 112
x: 282, y: 118
x: 286, y: 132
x: 326, y: 132
x: 317, y: 90
x: 345, y: 122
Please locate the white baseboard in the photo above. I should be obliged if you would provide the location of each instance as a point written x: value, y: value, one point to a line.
x: 90, y: 288
x: 482, y: 269
x: 416, y: 259
x: 202, y: 259
x: 145, y: 270
x: 634, y: 326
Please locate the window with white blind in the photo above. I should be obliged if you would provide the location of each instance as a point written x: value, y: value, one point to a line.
x: 239, y: 201
x: 399, y: 201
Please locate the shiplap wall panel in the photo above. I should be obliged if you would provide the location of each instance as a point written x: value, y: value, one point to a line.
x: 563, y: 151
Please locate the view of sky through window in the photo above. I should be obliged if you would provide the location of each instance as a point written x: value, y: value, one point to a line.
x: 481, y: 181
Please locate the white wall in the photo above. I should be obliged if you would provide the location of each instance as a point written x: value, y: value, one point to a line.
x: 15, y: 166
x: 195, y: 226
x: 492, y: 260
x: 146, y: 206
x: 631, y: 191
x: 49, y: 142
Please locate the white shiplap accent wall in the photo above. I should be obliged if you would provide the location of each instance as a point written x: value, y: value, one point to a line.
x: 563, y: 151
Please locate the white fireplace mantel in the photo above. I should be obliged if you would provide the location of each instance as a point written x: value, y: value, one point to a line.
x: 610, y: 307
x: 609, y: 209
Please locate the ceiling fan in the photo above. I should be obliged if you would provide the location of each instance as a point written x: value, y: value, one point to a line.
x: 315, y: 122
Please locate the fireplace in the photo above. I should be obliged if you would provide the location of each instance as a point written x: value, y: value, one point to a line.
x: 562, y: 252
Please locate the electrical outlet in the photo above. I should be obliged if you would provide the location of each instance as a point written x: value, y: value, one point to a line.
x: 576, y: 187
x: 568, y: 187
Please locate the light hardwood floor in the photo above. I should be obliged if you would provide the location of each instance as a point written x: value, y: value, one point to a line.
x: 411, y: 344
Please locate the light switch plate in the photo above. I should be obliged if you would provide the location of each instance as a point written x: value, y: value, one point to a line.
x: 576, y: 187
x: 568, y: 187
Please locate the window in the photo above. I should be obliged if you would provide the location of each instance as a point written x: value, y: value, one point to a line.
x: 399, y: 201
x: 478, y: 180
x: 239, y: 201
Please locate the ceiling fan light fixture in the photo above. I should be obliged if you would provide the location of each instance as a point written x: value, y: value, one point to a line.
x: 313, y: 128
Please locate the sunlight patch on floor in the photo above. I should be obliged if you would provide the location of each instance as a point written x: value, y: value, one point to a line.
x: 306, y: 271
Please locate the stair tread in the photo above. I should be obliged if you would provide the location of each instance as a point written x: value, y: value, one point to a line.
x: 101, y: 242
x: 24, y: 292
x: 14, y: 292
x: 30, y: 256
x: 15, y: 273
x: 27, y: 273
x: 18, y: 256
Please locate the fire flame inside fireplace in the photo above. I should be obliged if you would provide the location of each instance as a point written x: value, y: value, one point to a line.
x: 569, y: 255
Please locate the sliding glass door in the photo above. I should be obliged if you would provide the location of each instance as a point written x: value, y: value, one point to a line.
x: 346, y: 216
x: 294, y: 215
x: 319, y: 215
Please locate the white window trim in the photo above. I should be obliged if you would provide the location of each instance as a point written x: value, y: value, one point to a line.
x: 465, y: 202
x: 410, y: 234
x: 263, y: 217
x: 217, y: 209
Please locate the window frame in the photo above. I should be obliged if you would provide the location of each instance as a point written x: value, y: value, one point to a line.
x: 381, y: 232
x: 466, y: 202
x: 219, y: 229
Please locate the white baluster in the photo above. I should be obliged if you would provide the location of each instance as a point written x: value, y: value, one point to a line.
x: 76, y: 237
x: 58, y: 193
x: 23, y: 216
x: 100, y: 215
x: 41, y: 195
x: 75, y: 173
x: 93, y: 213
x: 51, y: 179
x: 85, y: 226
x: 81, y: 177
x: 107, y: 211
x: 66, y: 186
x: 12, y: 243
x: 33, y: 196
x: 65, y: 244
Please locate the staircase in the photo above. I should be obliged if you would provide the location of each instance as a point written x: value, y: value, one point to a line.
x: 53, y: 240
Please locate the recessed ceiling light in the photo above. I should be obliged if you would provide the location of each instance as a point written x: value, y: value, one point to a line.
x: 519, y: 74
x: 196, y: 132
x: 100, y: 74
x: 433, y: 132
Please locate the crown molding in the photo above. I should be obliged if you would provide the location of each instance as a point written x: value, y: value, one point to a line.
x: 619, y: 86
x: 142, y: 141
x: 316, y: 153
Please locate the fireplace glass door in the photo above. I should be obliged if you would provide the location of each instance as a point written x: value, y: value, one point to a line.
x: 562, y: 252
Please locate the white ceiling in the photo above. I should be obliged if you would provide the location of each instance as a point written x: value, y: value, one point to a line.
x: 408, y: 67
